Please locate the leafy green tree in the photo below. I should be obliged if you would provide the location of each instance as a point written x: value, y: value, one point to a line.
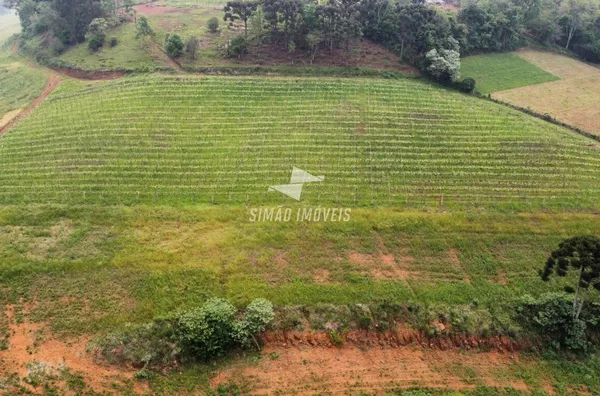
x: 258, y: 25
x: 582, y: 255
x: 237, y: 47
x: 96, y: 34
x: 443, y: 65
x: 173, y: 45
x: 212, y: 25
x: 577, y: 13
x: 240, y: 10
x: 285, y: 19
x: 143, y: 28
x: 192, y: 45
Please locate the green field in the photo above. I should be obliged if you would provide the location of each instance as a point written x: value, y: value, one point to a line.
x: 179, y: 140
x: 498, y: 72
x: 19, y: 84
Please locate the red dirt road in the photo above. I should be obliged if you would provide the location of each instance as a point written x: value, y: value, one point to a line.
x: 51, y: 86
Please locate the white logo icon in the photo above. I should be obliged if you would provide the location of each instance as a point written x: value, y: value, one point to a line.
x: 298, y: 179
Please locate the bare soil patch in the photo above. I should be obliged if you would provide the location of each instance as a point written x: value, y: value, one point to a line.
x: 8, y: 117
x: 365, y: 54
x: 154, y: 9
x: 30, y: 344
x: 314, y: 370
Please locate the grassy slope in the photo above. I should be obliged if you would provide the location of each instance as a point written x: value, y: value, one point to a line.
x: 129, y: 54
x: 19, y: 84
x: 498, y: 72
x: 133, y: 54
x: 226, y: 140
x: 91, y: 269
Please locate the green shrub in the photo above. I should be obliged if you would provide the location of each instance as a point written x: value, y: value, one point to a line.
x: 237, y: 47
x: 259, y: 314
x: 467, y: 85
x: 113, y: 42
x: 208, y: 331
x: 95, y: 43
x: 143, y: 28
x: 152, y: 344
x: 336, y: 338
x: 173, y: 45
x: 213, y: 25
x: 551, y: 316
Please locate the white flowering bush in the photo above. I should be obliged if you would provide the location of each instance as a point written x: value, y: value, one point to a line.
x: 443, y: 65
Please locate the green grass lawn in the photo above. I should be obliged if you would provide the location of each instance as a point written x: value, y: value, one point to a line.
x: 402, y: 143
x: 498, y: 72
x: 19, y: 84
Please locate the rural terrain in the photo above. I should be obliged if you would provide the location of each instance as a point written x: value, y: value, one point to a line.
x: 130, y: 182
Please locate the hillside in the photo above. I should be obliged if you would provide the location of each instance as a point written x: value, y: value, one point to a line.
x: 226, y: 140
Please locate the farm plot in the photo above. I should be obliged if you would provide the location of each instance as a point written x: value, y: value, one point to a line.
x: 226, y: 140
x: 498, y: 72
x: 574, y: 99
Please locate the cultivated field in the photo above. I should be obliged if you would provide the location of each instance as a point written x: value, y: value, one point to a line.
x: 574, y: 99
x: 498, y: 72
x: 226, y: 140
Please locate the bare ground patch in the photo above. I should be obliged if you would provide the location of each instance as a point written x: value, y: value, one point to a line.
x: 384, y: 266
x: 351, y: 370
x: 155, y: 9
x: 32, y: 348
x: 574, y: 99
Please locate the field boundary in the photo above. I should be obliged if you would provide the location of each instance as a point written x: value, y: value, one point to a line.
x: 544, y: 117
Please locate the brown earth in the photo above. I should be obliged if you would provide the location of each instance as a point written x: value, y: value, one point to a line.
x: 352, y: 370
x: 365, y: 54
x: 30, y: 344
x: 89, y: 75
x: 154, y: 9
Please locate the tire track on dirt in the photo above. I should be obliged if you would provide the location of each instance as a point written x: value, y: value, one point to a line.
x: 50, y: 87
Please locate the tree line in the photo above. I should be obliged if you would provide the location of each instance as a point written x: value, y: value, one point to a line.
x: 422, y: 35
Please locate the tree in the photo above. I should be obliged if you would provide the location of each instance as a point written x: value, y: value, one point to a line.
x: 96, y: 33
x: 443, y: 65
x: 582, y: 254
x: 577, y: 13
x: 240, y: 10
x: 258, y: 24
x: 286, y: 14
x: 212, y: 25
x: 173, y: 45
x: 143, y: 28
x: 192, y: 46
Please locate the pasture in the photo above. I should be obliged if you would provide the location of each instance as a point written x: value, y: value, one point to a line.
x: 498, y: 72
x: 190, y: 140
x: 574, y: 99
